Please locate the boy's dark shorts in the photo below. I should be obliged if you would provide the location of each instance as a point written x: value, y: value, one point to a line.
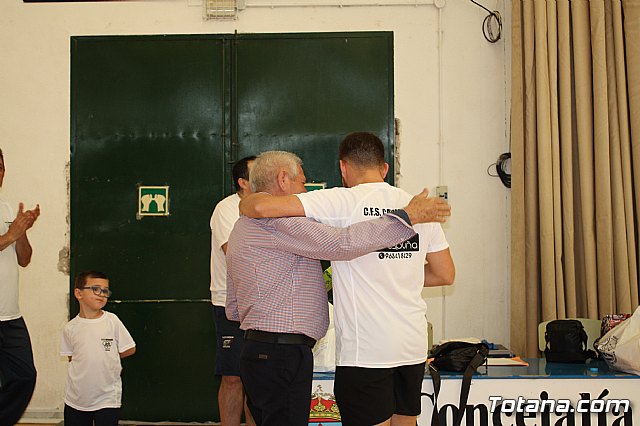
x: 229, y: 342
x: 368, y: 396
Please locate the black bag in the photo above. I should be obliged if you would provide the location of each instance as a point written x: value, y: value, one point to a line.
x: 460, y: 357
x: 566, y: 342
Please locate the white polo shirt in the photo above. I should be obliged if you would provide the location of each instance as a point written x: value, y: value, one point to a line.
x: 380, y: 315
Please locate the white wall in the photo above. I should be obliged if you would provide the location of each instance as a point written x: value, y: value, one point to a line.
x: 472, y: 113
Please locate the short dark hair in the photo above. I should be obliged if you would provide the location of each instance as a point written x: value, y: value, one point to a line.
x: 1, y: 155
x: 362, y: 149
x: 81, y: 278
x: 241, y: 170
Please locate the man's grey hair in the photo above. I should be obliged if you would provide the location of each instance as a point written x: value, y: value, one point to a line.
x: 263, y: 176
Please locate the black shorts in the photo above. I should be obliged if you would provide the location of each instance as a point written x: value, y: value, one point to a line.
x: 103, y: 417
x: 229, y: 342
x: 368, y: 396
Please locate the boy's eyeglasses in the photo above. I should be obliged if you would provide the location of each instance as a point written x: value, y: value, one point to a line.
x: 98, y: 291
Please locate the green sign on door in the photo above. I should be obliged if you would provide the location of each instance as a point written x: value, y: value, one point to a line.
x: 153, y: 201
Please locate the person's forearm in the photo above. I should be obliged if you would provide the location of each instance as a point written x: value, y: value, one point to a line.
x: 261, y: 205
x: 439, y: 269
x: 23, y: 251
x: 433, y: 280
x: 375, y: 235
x: 13, y: 235
x: 315, y: 240
x: 5, y: 241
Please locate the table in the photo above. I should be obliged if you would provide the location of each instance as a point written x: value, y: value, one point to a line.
x: 540, y: 394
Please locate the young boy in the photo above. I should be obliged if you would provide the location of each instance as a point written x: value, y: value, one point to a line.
x: 94, y: 341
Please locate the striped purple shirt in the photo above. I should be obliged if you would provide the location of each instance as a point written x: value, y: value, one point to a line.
x: 274, y: 277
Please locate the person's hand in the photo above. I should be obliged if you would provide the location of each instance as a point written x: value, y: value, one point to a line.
x: 33, y: 213
x: 423, y: 209
x: 22, y: 222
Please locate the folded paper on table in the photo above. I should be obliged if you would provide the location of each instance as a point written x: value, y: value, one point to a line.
x: 515, y: 361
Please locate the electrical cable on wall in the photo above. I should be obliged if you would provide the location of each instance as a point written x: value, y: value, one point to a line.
x: 492, y: 24
x: 503, y: 169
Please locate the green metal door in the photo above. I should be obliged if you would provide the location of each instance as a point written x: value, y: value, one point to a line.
x: 304, y: 92
x: 150, y: 111
x: 175, y: 112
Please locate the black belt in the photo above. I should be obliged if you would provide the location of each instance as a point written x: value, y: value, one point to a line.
x: 281, y: 338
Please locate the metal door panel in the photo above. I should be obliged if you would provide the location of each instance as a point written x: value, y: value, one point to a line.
x: 151, y: 111
x: 304, y: 92
x: 147, y: 113
x: 166, y: 378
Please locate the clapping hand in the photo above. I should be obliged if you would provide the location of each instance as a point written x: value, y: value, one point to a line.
x: 23, y: 221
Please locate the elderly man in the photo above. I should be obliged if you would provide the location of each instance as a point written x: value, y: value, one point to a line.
x: 276, y: 290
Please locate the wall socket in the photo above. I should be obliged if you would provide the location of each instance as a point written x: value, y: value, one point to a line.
x: 442, y: 191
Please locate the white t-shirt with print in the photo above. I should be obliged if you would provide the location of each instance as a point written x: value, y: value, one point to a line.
x: 95, y: 345
x: 9, y: 308
x: 380, y: 315
x: 224, y: 217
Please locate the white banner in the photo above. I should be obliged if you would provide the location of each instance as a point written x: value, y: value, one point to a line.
x: 515, y: 402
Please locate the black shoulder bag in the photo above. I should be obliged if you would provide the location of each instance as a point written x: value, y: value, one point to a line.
x: 460, y: 357
x: 566, y: 341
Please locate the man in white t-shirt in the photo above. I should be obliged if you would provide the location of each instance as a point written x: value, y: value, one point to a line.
x: 17, y: 370
x: 381, y: 327
x: 229, y: 337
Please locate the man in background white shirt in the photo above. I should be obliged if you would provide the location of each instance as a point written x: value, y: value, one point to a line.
x: 229, y: 337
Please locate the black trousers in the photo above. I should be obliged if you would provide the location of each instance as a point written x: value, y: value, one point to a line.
x: 277, y: 379
x: 17, y: 371
x: 104, y: 417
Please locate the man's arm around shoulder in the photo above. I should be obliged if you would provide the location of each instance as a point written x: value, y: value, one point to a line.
x: 262, y: 204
